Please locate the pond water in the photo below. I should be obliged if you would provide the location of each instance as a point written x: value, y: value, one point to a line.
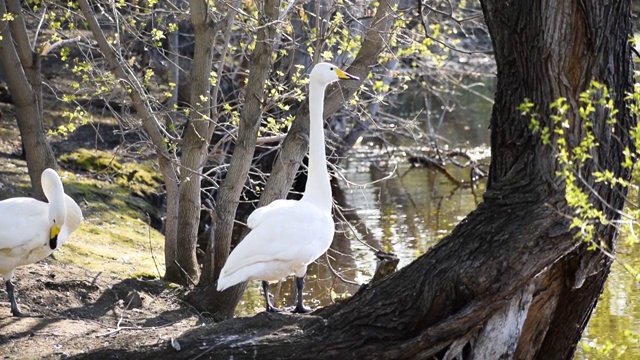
x: 397, y: 208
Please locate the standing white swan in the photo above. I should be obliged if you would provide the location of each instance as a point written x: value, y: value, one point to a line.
x: 32, y: 229
x: 288, y: 235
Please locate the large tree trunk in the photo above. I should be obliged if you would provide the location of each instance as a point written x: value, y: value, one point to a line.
x: 510, y: 281
x: 22, y: 68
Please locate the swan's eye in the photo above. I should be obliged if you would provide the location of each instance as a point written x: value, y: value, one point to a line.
x: 54, y: 221
x: 331, y: 69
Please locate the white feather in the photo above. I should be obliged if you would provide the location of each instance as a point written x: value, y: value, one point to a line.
x: 283, y: 250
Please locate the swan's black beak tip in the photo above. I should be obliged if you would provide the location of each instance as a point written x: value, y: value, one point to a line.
x: 342, y: 75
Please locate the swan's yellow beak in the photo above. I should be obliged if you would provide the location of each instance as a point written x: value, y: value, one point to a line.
x: 345, y: 76
x: 53, y: 233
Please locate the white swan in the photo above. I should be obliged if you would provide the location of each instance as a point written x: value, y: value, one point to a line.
x: 32, y: 229
x: 288, y: 235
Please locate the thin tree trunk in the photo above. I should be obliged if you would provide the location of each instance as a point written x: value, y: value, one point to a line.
x: 185, y: 269
x: 250, y: 120
x: 173, y: 206
x: 166, y: 167
x: 150, y: 124
x: 22, y: 68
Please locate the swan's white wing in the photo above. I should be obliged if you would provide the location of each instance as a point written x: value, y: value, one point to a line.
x: 288, y: 237
x: 24, y: 233
x: 260, y: 214
x: 23, y: 222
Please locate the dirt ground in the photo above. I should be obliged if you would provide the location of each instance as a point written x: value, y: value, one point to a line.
x: 84, y: 311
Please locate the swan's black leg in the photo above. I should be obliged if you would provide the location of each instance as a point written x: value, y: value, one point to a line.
x: 269, y: 306
x: 300, y: 308
x: 15, y: 310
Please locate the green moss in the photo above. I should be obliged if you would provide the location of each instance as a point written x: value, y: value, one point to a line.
x: 146, y: 177
x: 116, y: 167
x: 92, y: 160
x: 137, y: 182
x: 115, y: 236
x: 116, y: 244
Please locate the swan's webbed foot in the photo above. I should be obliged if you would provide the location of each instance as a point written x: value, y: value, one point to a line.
x: 272, y: 309
x: 269, y: 306
x: 300, y: 308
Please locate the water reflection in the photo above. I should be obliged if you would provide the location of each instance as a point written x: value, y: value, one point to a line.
x: 458, y: 114
x: 614, y: 329
x: 409, y: 212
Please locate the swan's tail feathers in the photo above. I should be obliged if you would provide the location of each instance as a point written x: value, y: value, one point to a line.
x: 222, y: 284
x: 225, y: 282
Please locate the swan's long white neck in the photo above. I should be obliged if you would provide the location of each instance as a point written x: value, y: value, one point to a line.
x: 54, y: 192
x: 318, y: 188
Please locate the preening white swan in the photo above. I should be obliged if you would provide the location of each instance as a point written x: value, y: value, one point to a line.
x: 32, y: 229
x: 288, y: 235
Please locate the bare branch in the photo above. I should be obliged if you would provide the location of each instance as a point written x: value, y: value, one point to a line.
x: 270, y: 139
x: 223, y: 58
x: 35, y: 36
x: 336, y: 273
x: 49, y: 48
x: 286, y: 11
x: 450, y: 16
x: 19, y: 30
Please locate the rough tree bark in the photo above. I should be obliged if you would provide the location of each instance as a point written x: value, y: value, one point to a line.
x: 510, y: 281
x: 21, y: 64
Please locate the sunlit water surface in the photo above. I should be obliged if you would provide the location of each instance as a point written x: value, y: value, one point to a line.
x: 396, y: 208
